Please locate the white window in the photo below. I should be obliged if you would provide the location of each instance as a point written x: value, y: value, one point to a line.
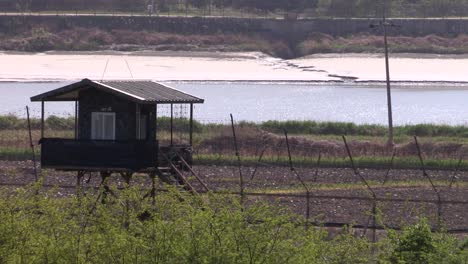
x: 102, y: 126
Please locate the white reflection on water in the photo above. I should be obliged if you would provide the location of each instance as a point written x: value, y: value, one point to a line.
x: 358, y: 103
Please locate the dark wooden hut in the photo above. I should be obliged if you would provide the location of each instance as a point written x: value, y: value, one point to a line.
x: 116, y: 128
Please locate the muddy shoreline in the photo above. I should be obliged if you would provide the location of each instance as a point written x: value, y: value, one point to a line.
x: 232, y: 67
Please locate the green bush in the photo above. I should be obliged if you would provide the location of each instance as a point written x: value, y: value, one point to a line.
x: 323, y: 128
x: 8, y: 122
x: 182, y: 228
x: 419, y: 245
x: 342, y: 128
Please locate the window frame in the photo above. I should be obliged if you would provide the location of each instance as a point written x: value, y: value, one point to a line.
x: 95, y: 116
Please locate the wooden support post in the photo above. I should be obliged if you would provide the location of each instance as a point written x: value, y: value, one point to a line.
x: 172, y: 124
x: 127, y: 176
x: 153, y: 187
x: 137, y: 124
x: 191, y: 125
x: 105, y: 184
x: 156, y: 122
x: 79, y: 189
x: 76, y: 120
x: 42, y: 119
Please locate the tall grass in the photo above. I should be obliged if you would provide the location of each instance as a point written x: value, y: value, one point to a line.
x: 10, y: 122
x: 343, y: 128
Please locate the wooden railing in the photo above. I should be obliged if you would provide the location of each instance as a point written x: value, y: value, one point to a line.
x: 69, y: 154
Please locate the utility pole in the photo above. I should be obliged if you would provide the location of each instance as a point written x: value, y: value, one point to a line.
x: 152, y: 9
x: 384, y: 24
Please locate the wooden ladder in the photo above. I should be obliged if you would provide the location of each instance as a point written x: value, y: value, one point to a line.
x: 175, y: 169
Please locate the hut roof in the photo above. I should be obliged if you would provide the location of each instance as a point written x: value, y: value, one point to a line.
x: 146, y: 92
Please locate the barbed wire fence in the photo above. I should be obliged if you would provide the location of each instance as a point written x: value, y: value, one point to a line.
x: 370, y: 197
x: 329, y: 183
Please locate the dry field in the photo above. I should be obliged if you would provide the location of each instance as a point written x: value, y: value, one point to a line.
x: 337, y: 195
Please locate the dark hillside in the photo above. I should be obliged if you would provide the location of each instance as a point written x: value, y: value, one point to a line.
x: 308, y: 8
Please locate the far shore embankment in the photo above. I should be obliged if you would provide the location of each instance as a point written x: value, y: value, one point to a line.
x: 280, y: 38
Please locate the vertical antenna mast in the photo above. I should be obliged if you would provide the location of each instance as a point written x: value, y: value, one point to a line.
x: 129, y: 69
x: 105, y: 69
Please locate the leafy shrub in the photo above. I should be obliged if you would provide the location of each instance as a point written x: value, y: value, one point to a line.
x: 419, y: 245
x: 60, y: 123
x: 8, y: 122
x: 181, y: 228
x: 41, y: 40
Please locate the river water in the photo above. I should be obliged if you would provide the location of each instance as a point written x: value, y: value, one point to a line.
x: 256, y: 101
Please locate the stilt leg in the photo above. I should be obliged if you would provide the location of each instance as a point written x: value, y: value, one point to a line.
x: 152, y: 192
x: 127, y: 176
x: 105, y: 184
x: 79, y: 189
x: 153, y: 188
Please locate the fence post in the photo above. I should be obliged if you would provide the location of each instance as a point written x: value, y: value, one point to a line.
x: 423, y: 168
x: 291, y: 167
x: 390, y: 167
x: 258, y: 163
x: 374, y: 196
x: 319, y: 159
x: 239, y: 163
x: 456, y: 171
x: 31, y: 144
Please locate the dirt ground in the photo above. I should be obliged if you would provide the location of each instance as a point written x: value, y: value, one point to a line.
x: 336, y: 195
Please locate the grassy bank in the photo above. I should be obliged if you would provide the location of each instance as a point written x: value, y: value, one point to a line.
x: 341, y: 128
x: 442, y: 146
x: 367, y: 43
x: 180, y: 228
x: 11, y: 122
x: 363, y: 162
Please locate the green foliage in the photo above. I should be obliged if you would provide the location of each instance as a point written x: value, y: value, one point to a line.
x: 180, y: 228
x: 340, y: 128
x: 419, y: 245
x: 323, y: 128
x: 40, y: 40
x: 8, y: 121
x: 60, y: 123
x: 307, y: 127
x: 179, y: 125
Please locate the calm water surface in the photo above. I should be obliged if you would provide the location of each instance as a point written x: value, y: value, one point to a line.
x: 358, y: 103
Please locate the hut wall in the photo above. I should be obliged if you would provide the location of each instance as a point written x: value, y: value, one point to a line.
x: 93, y: 100
x: 150, y: 112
